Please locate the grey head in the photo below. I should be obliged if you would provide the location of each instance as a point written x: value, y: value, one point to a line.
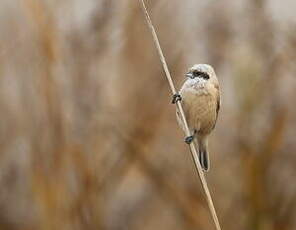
x: 202, y: 72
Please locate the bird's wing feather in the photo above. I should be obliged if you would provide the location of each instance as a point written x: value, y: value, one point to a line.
x: 218, y: 105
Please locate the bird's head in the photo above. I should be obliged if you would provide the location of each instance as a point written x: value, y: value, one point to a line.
x: 201, y: 72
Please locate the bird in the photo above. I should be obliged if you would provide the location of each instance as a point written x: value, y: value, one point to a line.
x: 200, y: 99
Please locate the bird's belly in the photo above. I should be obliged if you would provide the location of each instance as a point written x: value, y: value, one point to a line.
x: 200, y: 111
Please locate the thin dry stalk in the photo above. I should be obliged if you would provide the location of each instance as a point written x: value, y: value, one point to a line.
x: 181, y: 111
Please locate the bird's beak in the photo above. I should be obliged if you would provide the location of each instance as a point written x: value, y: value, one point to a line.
x: 189, y: 75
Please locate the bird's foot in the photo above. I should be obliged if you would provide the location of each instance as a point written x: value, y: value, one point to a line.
x: 189, y: 139
x: 176, y: 97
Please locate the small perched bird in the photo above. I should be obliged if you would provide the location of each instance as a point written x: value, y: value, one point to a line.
x: 200, y: 98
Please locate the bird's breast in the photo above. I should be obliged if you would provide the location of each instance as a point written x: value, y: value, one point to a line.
x: 199, y: 107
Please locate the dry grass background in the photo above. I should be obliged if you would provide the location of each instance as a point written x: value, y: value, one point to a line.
x: 89, y: 138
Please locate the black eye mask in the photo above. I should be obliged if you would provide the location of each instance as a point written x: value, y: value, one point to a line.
x: 201, y: 74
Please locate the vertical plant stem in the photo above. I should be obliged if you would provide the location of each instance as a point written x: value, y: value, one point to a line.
x: 181, y: 111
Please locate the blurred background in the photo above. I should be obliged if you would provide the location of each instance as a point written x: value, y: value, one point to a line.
x: 89, y: 139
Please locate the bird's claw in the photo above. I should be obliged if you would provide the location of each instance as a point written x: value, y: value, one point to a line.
x: 176, y: 97
x: 188, y: 139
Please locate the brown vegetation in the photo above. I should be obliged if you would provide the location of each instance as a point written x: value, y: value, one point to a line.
x: 88, y: 136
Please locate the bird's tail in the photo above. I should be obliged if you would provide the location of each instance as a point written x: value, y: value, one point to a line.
x: 204, y: 155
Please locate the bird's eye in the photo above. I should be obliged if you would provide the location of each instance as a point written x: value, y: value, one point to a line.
x: 201, y: 74
x: 205, y: 76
